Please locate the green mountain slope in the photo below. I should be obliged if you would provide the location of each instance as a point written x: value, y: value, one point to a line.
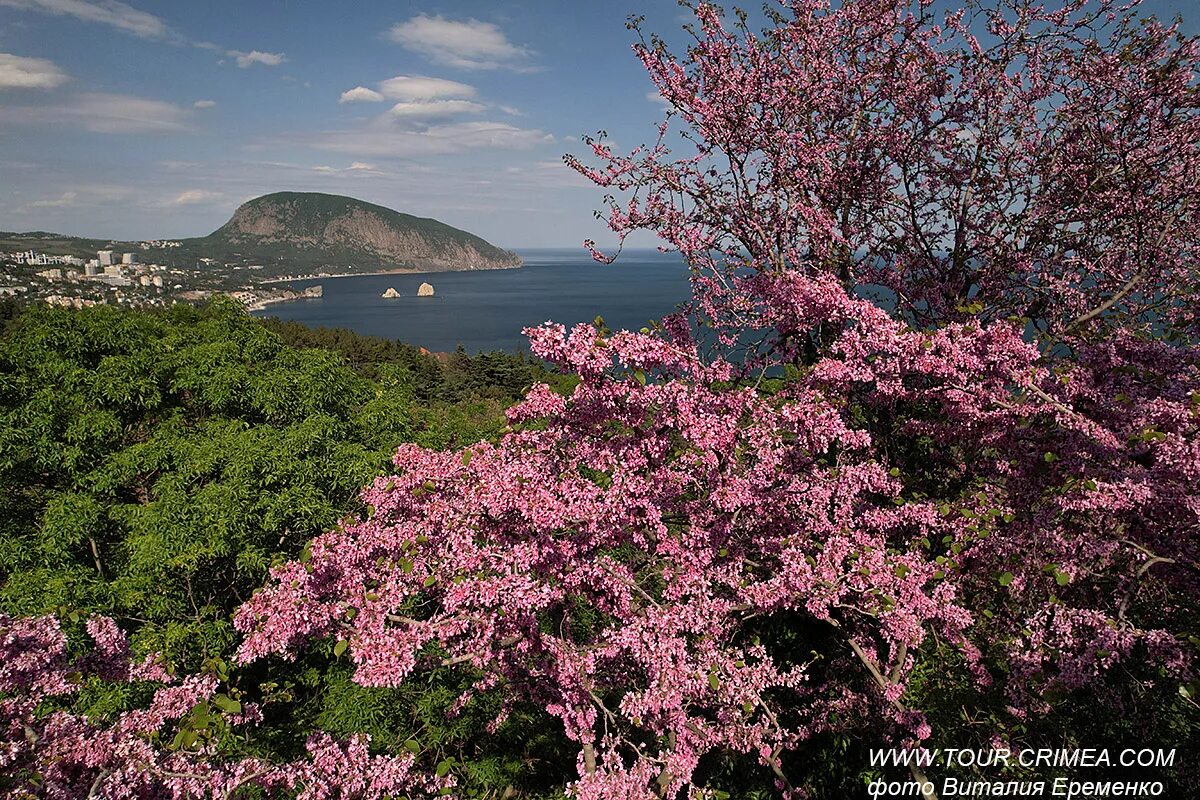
x: 293, y: 232
x: 312, y: 229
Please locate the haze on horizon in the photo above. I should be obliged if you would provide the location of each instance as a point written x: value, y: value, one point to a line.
x: 153, y: 119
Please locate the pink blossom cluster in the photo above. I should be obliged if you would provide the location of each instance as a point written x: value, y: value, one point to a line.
x: 681, y: 507
x: 46, y: 750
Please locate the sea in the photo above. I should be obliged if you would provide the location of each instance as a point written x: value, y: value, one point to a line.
x: 486, y: 310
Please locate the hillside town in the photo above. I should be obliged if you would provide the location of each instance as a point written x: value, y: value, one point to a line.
x: 132, y: 279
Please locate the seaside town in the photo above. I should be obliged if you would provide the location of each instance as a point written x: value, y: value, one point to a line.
x: 135, y: 279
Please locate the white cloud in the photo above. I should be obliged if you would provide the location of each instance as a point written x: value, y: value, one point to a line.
x: 420, y: 124
x: 80, y: 196
x: 253, y: 57
x: 204, y: 104
x: 654, y: 97
x: 194, y: 197
x: 65, y: 200
x: 108, y: 12
x: 359, y: 168
x: 360, y: 94
x: 433, y: 109
x: 466, y: 45
x: 121, y: 113
x: 19, y: 72
x: 419, y: 87
x: 390, y: 141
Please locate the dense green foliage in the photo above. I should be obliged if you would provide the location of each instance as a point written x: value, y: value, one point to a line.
x: 453, y: 377
x: 154, y: 464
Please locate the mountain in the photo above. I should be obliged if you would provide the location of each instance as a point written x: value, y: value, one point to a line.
x: 287, y: 233
x: 285, y: 230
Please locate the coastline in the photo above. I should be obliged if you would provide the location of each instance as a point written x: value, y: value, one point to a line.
x: 401, y: 271
x: 260, y: 305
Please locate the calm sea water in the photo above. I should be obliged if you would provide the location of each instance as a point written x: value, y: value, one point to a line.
x: 486, y: 310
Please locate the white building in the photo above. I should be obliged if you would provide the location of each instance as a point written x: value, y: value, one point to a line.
x: 113, y: 270
x: 105, y: 257
x: 129, y: 258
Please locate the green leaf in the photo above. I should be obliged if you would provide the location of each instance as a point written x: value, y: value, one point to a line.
x: 227, y: 704
x: 1006, y: 579
x: 443, y: 767
x: 429, y: 581
x: 714, y: 681
x: 199, y: 718
x: 412, y: 746
x: 466, y: 457
x: 340, y: 648
x: 1061, y: 578
x: 639, y: 376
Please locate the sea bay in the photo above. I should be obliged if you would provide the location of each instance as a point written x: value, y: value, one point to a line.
x: 487, y: 309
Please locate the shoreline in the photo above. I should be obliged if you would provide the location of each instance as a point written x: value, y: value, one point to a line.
x: 293, y: 279
x: 275, y: 301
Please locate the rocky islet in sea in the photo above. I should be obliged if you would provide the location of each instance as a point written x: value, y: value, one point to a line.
x: 424, y: 290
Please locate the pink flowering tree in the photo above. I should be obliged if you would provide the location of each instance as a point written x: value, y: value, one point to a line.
x: 179, y: 745
x: 933, y: 405
x: 945, y: 397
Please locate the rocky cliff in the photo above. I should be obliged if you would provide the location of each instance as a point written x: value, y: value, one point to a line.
x: 309, y: 229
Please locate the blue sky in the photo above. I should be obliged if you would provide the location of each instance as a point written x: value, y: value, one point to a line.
x: 157, y: 119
